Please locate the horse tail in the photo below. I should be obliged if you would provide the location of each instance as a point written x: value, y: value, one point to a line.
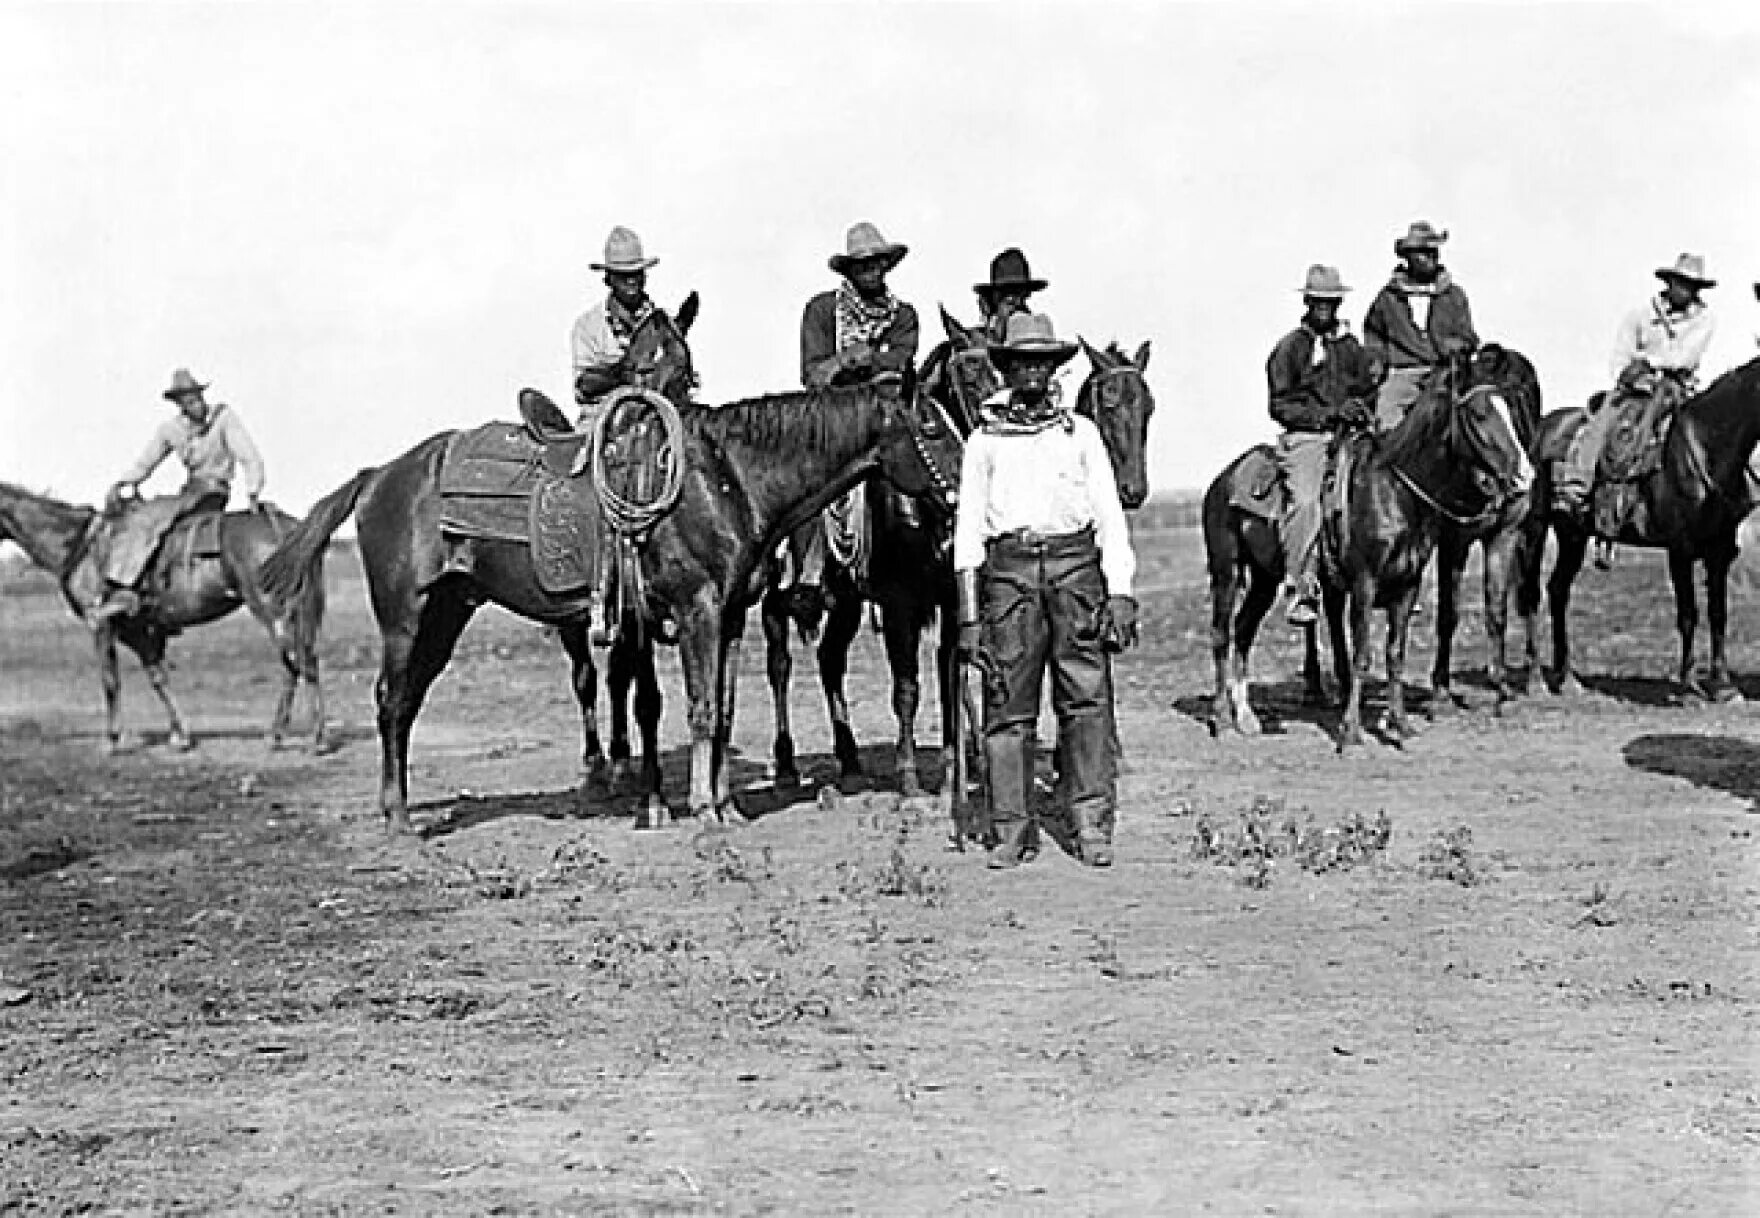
x: 288, y: 574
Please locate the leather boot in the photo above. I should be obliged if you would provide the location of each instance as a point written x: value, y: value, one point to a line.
x: 1010, y: 850
x: 1094, y: 836
x: 118, y: 602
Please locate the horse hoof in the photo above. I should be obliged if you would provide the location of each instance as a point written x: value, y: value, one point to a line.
x: 1351, y: 741
x: 852, y: 782
x: 1445, y: 704
x: 653, y: 814
x: 909, y: 785
x: 1729, y: 695
x: 617, y: 777
x: 1570, y: 687
x: 397, y: 825
x: 1249, y: 725
x: 728, y: 812
x: 787, y: 779
x: 179, y: 742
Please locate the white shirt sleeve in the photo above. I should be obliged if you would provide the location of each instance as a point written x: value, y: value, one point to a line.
x: 1118, y: 561
x: 591, y: 343
x: 1691, y: 338
x: 244, y: 451
x: 974, y: 499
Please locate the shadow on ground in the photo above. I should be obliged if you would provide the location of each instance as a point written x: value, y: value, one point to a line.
x: 1725, y: 763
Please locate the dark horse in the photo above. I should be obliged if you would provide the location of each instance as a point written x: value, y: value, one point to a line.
x: 1499, y: 531
x: 910, y: 575
x: 752, y: 470
x: 1455, y: 454
x: 58, y: 538
x: 1691, y: 507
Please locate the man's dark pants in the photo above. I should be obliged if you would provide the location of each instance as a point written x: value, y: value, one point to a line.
x: 1043, y: 607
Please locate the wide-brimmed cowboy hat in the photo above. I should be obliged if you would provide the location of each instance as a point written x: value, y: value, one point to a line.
x: 1030, y: 336
x: 623, y: 253
x: 1009, y: 272
x: 864, y: 241
x: 1688, y: 268
x: 1420, y: 235
x: 181, y: 383
x: 1324, y: 283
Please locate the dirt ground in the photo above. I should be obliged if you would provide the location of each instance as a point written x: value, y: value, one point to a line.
x: 222, y: 990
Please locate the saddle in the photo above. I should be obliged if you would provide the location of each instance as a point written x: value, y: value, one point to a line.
x: 530, y: 483
x: 1257, y: 487
x: 1631, y: 456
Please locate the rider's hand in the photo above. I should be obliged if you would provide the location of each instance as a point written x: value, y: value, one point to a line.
x: 1121, y: 612
x: 856, y: 356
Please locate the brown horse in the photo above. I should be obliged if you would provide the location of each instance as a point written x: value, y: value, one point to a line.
x: 1692, y: 506
x: 1455, y: 454
x: 1500, y: 533
x: 185, y: 592
x: 752, y: 470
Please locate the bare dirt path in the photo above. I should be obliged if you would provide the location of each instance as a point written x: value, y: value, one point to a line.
x: 229, y: 993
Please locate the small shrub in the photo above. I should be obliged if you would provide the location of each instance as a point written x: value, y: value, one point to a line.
x: 1449, y: 856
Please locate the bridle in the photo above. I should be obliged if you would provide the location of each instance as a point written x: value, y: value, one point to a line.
x: 946, y: 485
x: 1496, y: 502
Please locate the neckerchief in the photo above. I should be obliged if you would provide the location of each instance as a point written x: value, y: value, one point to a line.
x: 1001, y: 415
x: 858, y: 321
x: 1667, y: 318
x: 1317, y: 356
x: 1407, y: 286
x: 622, y: 321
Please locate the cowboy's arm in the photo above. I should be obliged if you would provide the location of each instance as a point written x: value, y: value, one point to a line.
x: 244, y: 451
x: 820, y: 362
x: 1454, y: 328
x: 1376, y: 339
x: 1295, y: 399
x: 1118, y: 561
x: 974, y: 501
x: 598, y: 363
x: 897, y: 350
x: 1627, y: 347
x: 152, y: 456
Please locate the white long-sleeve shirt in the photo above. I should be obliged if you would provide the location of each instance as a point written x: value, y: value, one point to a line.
x: 1051, y: 481
x: 209, y: 451
x: 1673, y: 342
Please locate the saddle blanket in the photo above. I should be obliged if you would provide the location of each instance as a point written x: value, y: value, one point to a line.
x: 498, y: 483
x: 1257, y: 487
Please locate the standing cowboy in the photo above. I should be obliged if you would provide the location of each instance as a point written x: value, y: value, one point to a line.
x: 1416, y: 323
x: 1044, y: 565
x: 1321, y: 382
x: 601, y: 335
x: 1011, y: 286
x: 211, y: 442
x: 853, y: 334
x: 1656, y: 356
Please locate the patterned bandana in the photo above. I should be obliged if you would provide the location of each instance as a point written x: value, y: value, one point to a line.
x: 1406, y: 286
x: 623, y: 323
x: 1003, y: 416
x: 859, y: 321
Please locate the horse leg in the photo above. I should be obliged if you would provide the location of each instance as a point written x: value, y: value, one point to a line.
x: 699, y: 654
x: 1398, y: 725
x: 1717, y: 567
x: 151, y: 650
x: 1350, y: 732
x: 411, y: 659
x: 110, y: 681
x: 726, y: 807
x: 1224, y: 583
x: 1500, y: 558
x: 1572, y: 544
x: 841, y: 626
x: 1261, y: 593
x: 284, y: 704
x: 584, y: 680
x: 1525, y: 562
x: 620, y: 675
x: 648, y: 706
x: 903, y: 635
x: 1686, y: 618
x: 779, y: 669
x: 1451, y: 565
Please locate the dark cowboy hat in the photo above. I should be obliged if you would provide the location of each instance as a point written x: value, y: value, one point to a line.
x: 1421, y: 235
x: 1030, y: 336
x: 864, y: 241
x: 1009, y: 273
x: 1688, y: 268
x: 182, y: 383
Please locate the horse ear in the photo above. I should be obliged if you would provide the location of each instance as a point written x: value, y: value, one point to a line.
x: 1094, y: 357
x: 957, y: 334
x: 687, y: 313
x: 1141, y: 358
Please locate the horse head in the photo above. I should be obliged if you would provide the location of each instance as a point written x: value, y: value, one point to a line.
x: 1117, y: 399
x: 923, y: 447
x: 659, y: 358
x: 958, y: 374
x: 1461, y: 435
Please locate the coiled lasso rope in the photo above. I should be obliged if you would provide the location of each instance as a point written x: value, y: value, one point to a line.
x: 633, y: 511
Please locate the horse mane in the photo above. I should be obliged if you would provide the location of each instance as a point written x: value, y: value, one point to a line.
x: 815, y: 420
x: 1733, y: 380
x: 1422, y: 431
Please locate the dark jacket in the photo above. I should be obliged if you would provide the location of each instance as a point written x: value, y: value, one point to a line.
x: 1390, y: 334
x: 895, y: 351
x: 1306, y: 396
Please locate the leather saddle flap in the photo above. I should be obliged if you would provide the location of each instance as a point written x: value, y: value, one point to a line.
x: 498, y: 483
x: 1256, y: 486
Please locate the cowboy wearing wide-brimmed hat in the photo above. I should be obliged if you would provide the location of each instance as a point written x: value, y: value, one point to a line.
x: 1321, y: 381
x: 1044, y: 563
x: 601, y: 335
x: 852, y: 334
x: 212, y: 443
x: 1416, y: 322
x: 1656, y: 356
x: 1007, y: 292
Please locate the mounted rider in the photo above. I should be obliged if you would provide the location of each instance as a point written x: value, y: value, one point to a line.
x: 1321, y: 382
x: 1007, y: 293
x: 600, y: 338
x: 1043, y: 559
x: 212, y: 443
x: 854, y: 334
x: 1656, y: 357
x: 1416, y: 323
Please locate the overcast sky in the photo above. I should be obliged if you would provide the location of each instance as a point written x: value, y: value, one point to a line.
x: 366, y: 223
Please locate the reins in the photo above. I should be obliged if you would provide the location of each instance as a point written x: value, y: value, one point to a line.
x: 1492, y: 510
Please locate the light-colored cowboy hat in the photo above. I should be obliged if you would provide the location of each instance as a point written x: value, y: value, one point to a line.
x: 1030, y: 336
x: 1324, y: 283
x: 1009, y: 272
x: 1688, y: 268
x: 623, y: 253
x: 1420, y: 235
x: 181, y: 383
x: 864, y: 241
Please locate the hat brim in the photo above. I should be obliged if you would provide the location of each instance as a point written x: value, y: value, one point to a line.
x: 624, y: 268
x: 1001, y: 353
x: 1406, y: 245
x: 1010, y: 285
x: 893, y: 254
x: 1323, y: 293
x: 1665, y: 273
x: 182, y: 391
